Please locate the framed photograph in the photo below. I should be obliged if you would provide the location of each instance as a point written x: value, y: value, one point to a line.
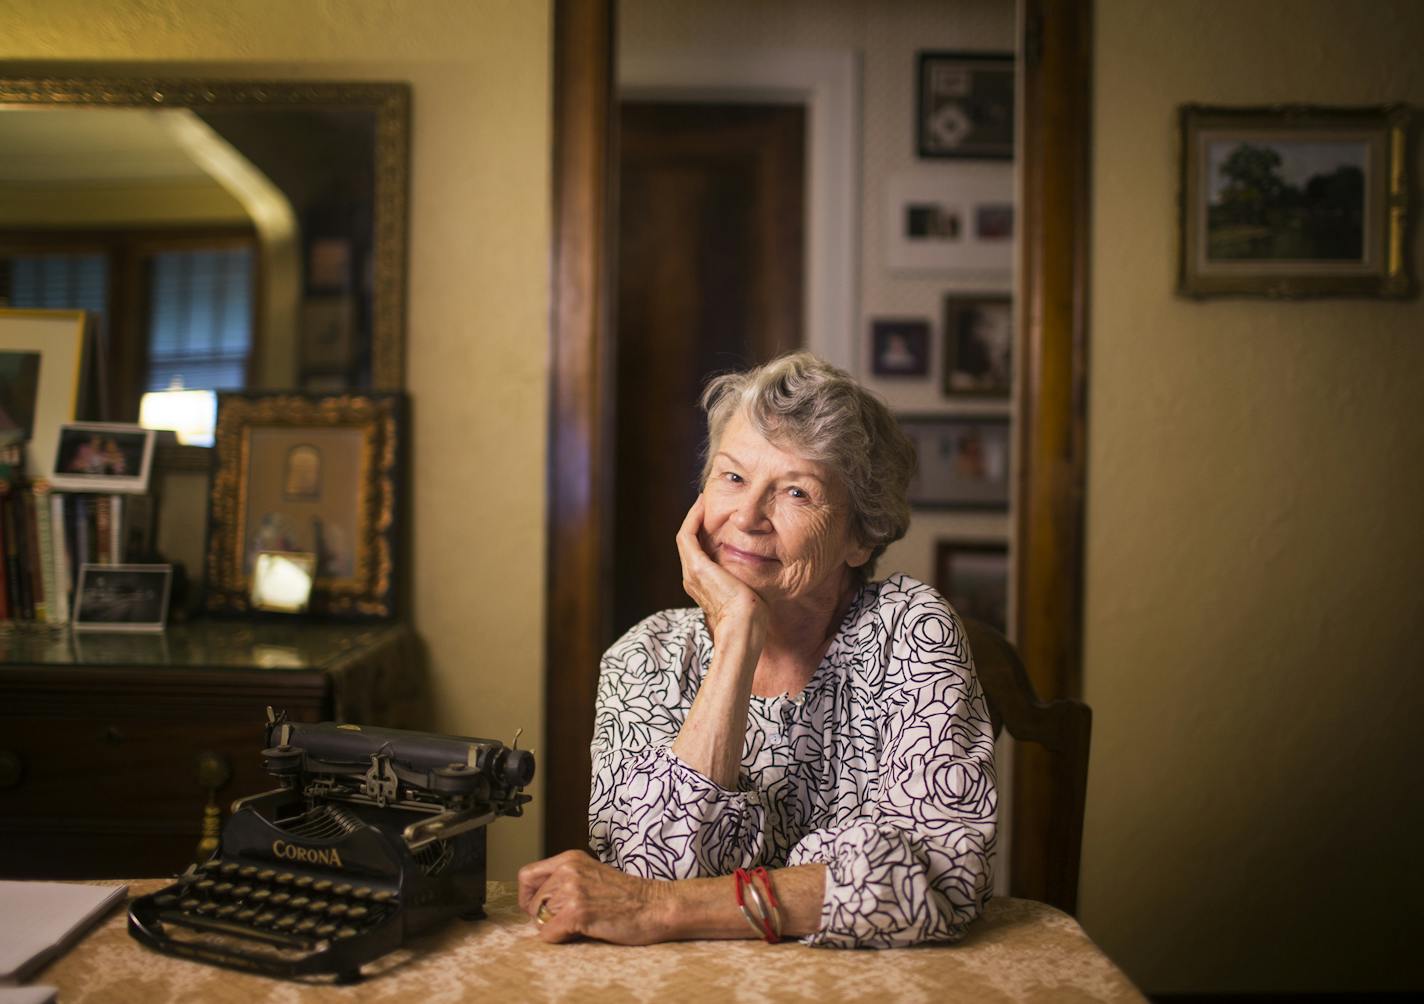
x: 963, y: 461
x: 103, y: 457
x: 978, y: 346
x: 122, y: 597
x: 965, y: 106
x: 1294, y: 201
x: 974, y: 577
x: 309, y: 473
x: 952, y: 219
x: 900, y: 348
x: 41, y: 375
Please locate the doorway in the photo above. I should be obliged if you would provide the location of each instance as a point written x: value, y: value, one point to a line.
x: 710, y: 278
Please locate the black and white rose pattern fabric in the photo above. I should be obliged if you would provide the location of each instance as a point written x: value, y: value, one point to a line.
x: 882, y: 769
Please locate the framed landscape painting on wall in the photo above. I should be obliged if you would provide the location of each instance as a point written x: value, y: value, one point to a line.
x: 1294, y: 201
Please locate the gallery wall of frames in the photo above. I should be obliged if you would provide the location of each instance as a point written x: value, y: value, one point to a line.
x: 938, y: 318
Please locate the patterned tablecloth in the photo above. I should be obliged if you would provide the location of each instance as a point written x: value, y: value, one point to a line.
x: 1020, y: 950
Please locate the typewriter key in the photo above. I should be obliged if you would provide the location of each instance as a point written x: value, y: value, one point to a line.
x: 323, y: 886
x: 325, y: 929
x: 298, y: 902
x: 210, y: 864
x: 222, y: 888
x: 242, y: 891
x: 261, y: 894
x: 227, y: 909
x: 265, y: 917
x: 205, y: 885
x: 384, y: 896
x: 306, y: 925
x: 346, y: 932
x: 166, y: 899
x: 344, y: 889
x: 337, y: 909
x: 285, y: 921
x: 285, y: 878
x: 207, y: 907
x: 362, y: 892
x: 357, y: 912
x: 246, y: 915
x: 316, y: 905
x: 189, y: 903
x: 248, y: 871
x: 278, y: 898
x: 303, y: 881
x: 229, y: 867
x: 266, y: 875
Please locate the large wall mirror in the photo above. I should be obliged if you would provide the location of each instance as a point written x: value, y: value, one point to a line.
x: 226, y: 234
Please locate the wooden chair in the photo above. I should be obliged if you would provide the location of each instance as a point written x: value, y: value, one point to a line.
x: 1064, y: 728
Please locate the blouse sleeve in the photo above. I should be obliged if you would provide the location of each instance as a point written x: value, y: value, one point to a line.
x: 915, y: 866
x: 649, y: 813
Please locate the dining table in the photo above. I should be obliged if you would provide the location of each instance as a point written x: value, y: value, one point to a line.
x: 1018, y: 950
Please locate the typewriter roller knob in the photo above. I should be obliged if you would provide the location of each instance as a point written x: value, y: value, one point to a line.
x: 517, y: 767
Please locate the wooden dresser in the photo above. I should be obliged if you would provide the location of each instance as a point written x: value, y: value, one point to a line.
x: 102, y: 735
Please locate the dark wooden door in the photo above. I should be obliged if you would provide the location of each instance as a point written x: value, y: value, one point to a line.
x: 711, y: 209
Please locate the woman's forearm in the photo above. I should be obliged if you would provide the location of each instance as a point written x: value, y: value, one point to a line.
x: 707, y: 908
x: 715, y: 731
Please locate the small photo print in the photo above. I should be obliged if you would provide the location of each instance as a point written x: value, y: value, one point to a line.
x: 963, y: 461
x: 979, y: 343
x: 994, y: 221
x: 122, y: 597
x: 929, y: 221
x: 103, y: 457
x: 974, y: 577
x: 900, y: 348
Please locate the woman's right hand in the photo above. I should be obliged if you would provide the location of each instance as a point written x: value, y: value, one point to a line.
x: 726, y: 601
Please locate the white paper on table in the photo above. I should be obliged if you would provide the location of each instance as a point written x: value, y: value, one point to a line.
x: 40, y: 920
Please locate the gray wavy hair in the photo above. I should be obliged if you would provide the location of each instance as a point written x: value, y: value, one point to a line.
x: 806, y: 405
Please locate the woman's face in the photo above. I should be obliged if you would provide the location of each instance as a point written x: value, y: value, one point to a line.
x: 775, y: 520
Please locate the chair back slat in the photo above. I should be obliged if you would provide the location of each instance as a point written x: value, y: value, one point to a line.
x: 1064, y: 728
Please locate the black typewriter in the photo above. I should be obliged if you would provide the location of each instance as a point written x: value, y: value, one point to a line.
x: 374, y: 835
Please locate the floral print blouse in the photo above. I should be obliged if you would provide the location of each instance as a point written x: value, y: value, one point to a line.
x: 882, y: 769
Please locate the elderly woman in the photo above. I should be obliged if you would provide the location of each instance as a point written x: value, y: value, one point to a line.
x: 804, y: 721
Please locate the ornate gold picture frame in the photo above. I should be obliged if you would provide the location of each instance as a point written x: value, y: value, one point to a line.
x: 314, y: 473
x: 1295, y: 201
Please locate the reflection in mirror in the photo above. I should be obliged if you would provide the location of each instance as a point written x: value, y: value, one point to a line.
x: 227, y: 235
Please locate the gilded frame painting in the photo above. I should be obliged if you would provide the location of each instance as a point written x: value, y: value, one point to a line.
x: 1294, y: 201
x: 315, y: 473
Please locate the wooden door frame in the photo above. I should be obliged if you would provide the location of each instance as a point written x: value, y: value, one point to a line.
x: 1055, y: 43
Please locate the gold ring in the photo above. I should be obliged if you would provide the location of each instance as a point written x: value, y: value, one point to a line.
x: 542, y: 915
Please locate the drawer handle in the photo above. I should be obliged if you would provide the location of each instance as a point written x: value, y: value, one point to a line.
x: 12, y: 768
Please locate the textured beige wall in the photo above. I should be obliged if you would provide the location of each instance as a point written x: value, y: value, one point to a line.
x: 1255, y: 559
x: 478, y: 317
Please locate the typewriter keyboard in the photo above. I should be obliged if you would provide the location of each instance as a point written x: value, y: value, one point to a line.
x: 273, y: 904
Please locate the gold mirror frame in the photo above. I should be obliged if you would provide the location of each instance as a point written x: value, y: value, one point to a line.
x: 390, y: 102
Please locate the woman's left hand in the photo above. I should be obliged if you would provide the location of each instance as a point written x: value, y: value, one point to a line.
x: 581, y: 896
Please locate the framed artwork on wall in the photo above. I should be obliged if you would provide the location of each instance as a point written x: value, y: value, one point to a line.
x: 974, y: 577
x: 978, y: 346
x: 42, y: 362
x: 311, y: 474
x: 900, y: 347
x: 965, y: 105
x: 963, y: 461
x: 1294, y: 201
x: 954, y: 219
